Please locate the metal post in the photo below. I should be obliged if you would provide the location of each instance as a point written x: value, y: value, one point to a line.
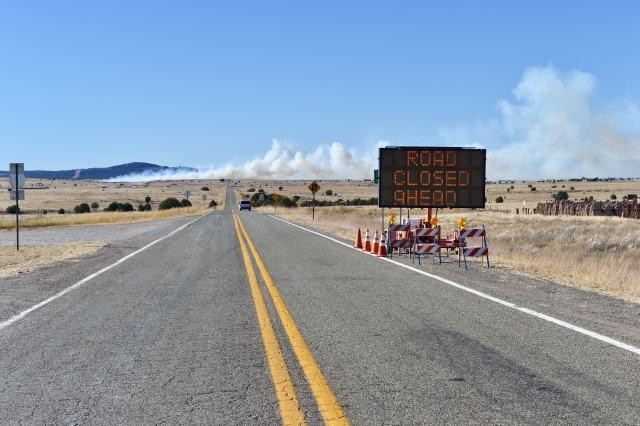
x: 382, y: 226
x: 313, y: 207
x: 17, y: 212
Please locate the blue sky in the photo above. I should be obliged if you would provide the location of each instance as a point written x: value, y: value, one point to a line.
x: 228, y: 85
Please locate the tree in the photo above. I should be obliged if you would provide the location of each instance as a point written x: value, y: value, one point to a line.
x: 185, y: 203
x: 12, y: 209
x: 328, y: 192
x: 147, y: 199
x: 141, y: 207
x: 613, y: 197
x: 529, y: 185
x: 296, y: 198
x: 147, y: 207
x: 169, y: 203
x: 499, y: 200
x: 61, y: 211
x: 280, y: 188
x: 82, y: 208
x: 512, y: 186
x: 533, y: 189
x: 572, y: 188
x: 95, y: 206
x: 112, y: 207
x: 212, y: 203
x: 562, y: 195
x: 204, y: 188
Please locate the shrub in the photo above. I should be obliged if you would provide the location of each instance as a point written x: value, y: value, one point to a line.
x: 562, y: 195
x: 613, y: 197
x: 261, y: 190
x: 185, y: 203
x: 572, y: 188
x: 147, y: 207
x: 512, y: 186
x: 204, y: 188
x: 169, y: 203
x: 529, y: 185
x: 533, y: 189
x: 82, y: 208
x: 95, y: 206
x: 113, y: 207
x: 508, y: 189
x: 213, y: 203
x: 280, y: 188
x: 328, y: 192
x: 125, y: 207
x: 61, y: 211
x: 251, y: 190
x: 499, y: 200
x: 141, y: 207
x: 296, y: 198
x: 147, y: 199
x: 12, y: 209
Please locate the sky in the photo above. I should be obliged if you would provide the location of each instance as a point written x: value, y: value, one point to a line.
x: 312, y: 89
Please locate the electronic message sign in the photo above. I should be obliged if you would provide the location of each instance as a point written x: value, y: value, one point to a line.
x: 421, y: 177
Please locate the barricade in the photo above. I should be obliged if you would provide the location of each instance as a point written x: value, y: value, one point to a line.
x: 482, y: 251
x: 399, y: 238
x: 431, y: 245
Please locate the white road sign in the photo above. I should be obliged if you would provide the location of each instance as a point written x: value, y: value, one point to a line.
x: 204, y: 197
x: 12, y: 180
x: 16, y: 194
x: 261, y: 197
x: 187, y: 194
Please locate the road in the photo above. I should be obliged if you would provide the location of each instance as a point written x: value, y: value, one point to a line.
x: 179, y: 333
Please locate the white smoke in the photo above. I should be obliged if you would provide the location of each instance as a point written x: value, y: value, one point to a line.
x: 282, y: 161
x: 551, y: 131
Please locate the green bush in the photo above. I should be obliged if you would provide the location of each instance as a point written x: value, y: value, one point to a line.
x: 12, y: 209
x: 185, y: 203
x: 328, y: 192
x: 82, y: 208
x: 613, y: 197
x: 213, y: 203
x: 169, y: 203
x: 533, y: 189
x: 204, y: 188
x: 279, y: 188
x: 251, y: 190
x: 113, y: 207
x: 562, y: 195
x: 61, y: 211
x: 141, y: 207
x: 499, y: 200
x: 95, y: 206
x: 147, y: 199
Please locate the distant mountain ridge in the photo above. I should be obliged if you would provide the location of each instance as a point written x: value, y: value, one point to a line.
x: 98, y: 172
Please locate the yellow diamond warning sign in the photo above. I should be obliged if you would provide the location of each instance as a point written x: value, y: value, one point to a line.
x: 314, y: 187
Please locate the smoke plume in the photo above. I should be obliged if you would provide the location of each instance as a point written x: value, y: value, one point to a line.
x: 552, y: 131
x: 282, y: 161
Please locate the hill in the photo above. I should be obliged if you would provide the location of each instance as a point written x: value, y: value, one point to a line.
x: 96, y: 172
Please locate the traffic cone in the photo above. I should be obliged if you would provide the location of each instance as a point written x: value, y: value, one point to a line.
x: 358, y: 240
x: 367, y: 242
x: 376, y: 243
x: 382, y: 250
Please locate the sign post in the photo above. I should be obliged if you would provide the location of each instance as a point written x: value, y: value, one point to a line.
x: 275, y: 201
x: 187, y: 194
x: 204, y: 198
x: 16, y: 180
x: 314, y: 187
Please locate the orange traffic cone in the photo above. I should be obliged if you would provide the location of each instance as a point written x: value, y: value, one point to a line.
x: 367, y: 242
x: 382, y: 251
x: 358, y: 240
x: 376, y: 243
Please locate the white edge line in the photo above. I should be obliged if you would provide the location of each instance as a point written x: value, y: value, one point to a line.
x: 89, y: 278
x: 556, y: 321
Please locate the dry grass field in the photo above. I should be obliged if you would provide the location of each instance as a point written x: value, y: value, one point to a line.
x: 52, y: 195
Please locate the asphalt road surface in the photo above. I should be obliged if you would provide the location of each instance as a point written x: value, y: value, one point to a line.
x: 197, y: 329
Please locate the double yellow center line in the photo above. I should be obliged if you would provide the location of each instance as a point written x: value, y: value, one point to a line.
x: 289, y: 405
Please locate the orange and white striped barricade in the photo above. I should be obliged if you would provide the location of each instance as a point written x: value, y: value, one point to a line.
x: 398, y: 238
x: 431, y: 246
x: 465, y: 251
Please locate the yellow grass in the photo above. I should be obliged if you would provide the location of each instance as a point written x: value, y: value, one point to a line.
x: 30, y: 258
x: 101, y: 218
x: 594, y: 253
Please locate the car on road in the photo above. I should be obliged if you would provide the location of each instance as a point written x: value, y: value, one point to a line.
x: 245, y: 205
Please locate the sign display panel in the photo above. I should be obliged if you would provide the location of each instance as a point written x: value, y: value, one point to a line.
x: 422, y: 177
